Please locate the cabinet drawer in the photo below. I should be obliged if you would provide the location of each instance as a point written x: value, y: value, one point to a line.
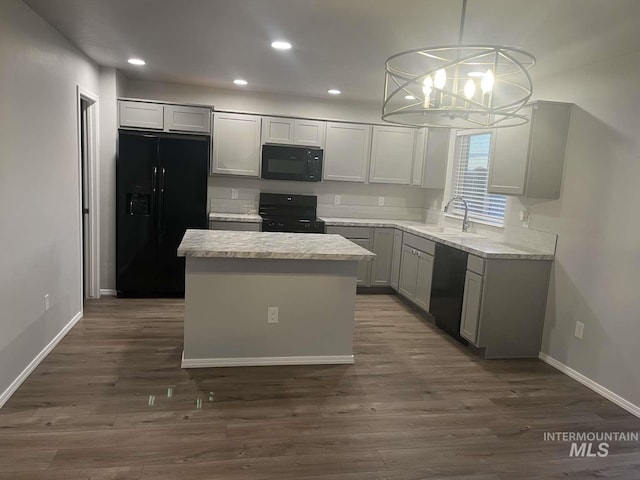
x: 350, y: 232
x: 475, y: 264
x: 236, y: 226
x: 419, y: 243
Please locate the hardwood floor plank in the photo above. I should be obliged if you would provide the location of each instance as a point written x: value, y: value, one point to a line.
x: 415, y: 405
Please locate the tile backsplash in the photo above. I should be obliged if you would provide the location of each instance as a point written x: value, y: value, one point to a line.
x: 356, y: 200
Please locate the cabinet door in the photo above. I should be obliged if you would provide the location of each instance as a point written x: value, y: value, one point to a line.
x: 419, y: 157
x: 408, y: 272
x: 309, y: 132
x: 140, y: 115
x: 179, y: 118
x: 508, y: 165
x: 471, y: 302
x: 423, y: 280
x: 236, y: 144
x: 381, y: 264
x: 363, y: 265
x: 395, y: 259
x: 346, y: 152
x: 392, y: 155
x: 277, y: 130
x: 436, y: 157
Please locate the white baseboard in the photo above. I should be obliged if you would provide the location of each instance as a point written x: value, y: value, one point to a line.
x: 587, y: 382
x: 107, y: 292
x: 11, y: 389
x: 263, y: 361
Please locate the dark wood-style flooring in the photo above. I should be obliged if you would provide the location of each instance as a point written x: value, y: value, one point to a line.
x: 416, y: 405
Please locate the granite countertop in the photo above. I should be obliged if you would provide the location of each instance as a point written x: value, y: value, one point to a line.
x: 469, y: 242
x: 235, y: 217
x: 273, y: 245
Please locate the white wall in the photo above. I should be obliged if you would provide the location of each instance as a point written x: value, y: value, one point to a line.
x: 39, y: 184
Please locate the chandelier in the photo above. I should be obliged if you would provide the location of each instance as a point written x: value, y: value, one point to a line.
x: 458, y: 86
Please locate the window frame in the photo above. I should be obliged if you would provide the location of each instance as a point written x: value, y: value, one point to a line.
x: 451, y: 176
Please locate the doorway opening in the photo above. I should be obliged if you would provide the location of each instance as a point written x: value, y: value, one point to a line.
x: 87, y: 105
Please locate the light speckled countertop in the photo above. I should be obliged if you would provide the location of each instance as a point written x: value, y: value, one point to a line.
x: 273, y: 245
x: 468, y: 242
x: 235, y: 217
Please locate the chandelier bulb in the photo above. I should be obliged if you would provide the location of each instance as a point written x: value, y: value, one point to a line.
x: 440, y: 79
x: 469, y: 89
x: 487, y: 81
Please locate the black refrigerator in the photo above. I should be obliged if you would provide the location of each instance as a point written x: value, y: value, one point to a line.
x: 161, y: 190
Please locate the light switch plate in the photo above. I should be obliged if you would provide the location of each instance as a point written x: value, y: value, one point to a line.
x: 579, y: 330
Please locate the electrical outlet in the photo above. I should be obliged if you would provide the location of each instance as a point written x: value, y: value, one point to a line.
x: 524, y: 218
x: 272, y: 314
x: 380, y: 201
x: 579, y: 330
x: 46, y: 302
x: 234, y: 193
x: 337, y: 200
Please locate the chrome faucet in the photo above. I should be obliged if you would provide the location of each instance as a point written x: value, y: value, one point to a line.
x: 465, y: 221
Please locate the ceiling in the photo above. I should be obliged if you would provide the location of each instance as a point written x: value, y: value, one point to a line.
x: 336, y: 43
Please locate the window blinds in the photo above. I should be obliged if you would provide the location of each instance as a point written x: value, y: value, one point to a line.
x: 470, y: 179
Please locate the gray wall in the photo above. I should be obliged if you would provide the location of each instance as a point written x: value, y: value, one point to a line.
x: 598, y: 254
x: 39, y: 184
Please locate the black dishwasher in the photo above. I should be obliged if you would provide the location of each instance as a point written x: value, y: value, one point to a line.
x: 447, y: 289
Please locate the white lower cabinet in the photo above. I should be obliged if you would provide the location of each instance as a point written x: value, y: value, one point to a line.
x: 395, y: 259
x: 236, y: 226
x: 376, y: 272
x: 381, y: 264
x: 364, y: 266
x: 423, y: 280
x: 471, y: 302
x: 416, y: 271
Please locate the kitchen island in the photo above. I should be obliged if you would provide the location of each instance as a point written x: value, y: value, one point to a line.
x: 262, y: 298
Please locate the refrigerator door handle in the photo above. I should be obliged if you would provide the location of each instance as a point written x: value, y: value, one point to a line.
x: 161, y: 202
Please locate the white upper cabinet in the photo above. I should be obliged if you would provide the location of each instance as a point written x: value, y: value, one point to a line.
x: 392, y: 155
x: 277, y: 130
x: 169, y: 118
x: 179, y: 118
x: 528, y: 160
x: 236, y: 144
x: 293, y: 131
x: 309, y: 132
x: 140, y: 115
x: 430, y: 157
x: 419, y: 153
x: 346, y: 152
x: 436, y: 158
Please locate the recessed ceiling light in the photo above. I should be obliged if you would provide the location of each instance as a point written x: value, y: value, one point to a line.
x: 409, y: 97
x: 334, y: 91
x: 281, y: 45
x: 240, y: 81
x: 475, y: 74
x: 136, y: 61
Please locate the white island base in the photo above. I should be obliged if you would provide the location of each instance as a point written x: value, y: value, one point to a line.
x: 228, y: 300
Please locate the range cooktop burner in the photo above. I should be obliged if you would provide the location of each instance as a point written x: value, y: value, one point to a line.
x: 289, y: 213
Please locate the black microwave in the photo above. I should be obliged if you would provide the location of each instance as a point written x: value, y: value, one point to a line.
x: 291, y: 162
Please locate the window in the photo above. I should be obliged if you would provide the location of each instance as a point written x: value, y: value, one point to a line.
x: 471, y: 176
